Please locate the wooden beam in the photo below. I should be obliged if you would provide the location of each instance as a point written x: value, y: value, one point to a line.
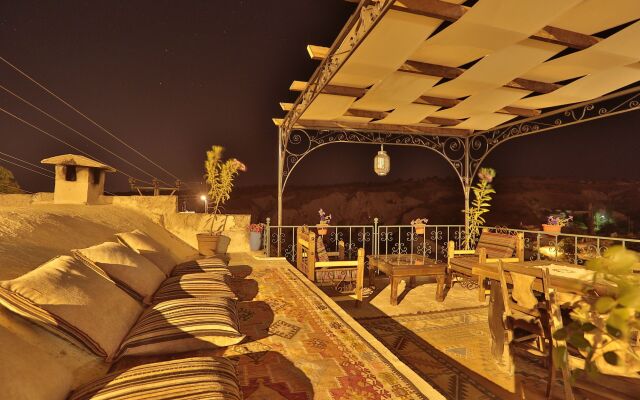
x: 452, y: 12
x: 377, y: 127
x: 431, y: 100
x: 286, y: 106
x: 317, y: 52
x: 443, y: 71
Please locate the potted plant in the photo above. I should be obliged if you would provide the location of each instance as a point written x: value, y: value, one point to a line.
x: 219, y: 177
x: 255, y: 236
x: 324, y: 222
x: 480, y: 205
x: 419, y: 224
x: 555, y: 223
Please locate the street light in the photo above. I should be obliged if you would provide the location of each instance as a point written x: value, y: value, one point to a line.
x: 204, y: 198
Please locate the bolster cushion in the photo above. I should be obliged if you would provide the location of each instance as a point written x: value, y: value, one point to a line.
x: 177, y: 248
x: 497, y: 245
x: 131, y: 271
x: 202, y: 285
x: 144, y: 244
x: 196, y: 378
x: 209, y: 264
x: 321, y: 251
x: 64, y: 295
x: 182, y: 325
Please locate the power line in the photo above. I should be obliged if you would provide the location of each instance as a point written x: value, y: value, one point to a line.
x: 86, y: 117
x: 50, y: 175
x: 77, y: 132
x: 58, y: 139
x: 26, y: 162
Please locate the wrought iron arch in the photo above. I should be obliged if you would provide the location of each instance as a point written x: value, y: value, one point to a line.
x: 302, y: 142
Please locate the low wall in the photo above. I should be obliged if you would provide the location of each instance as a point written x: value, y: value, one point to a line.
x: 187, y: 225
x: 21, y: 200
x: 154, y: 207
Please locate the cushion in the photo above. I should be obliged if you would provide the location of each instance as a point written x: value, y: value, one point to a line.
x: 27, y: 373
x: 178, y: 249
x: 148, y: 247
x: 202, y: 285
x: 210, y: 264
x: 181, y: 325
x: 497, y: 245
x: 131, y: 271
x: 197, y: 378
x: 321, y: 251
x: 66, y: 296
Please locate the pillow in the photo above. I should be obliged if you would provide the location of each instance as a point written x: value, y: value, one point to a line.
x: 211, y: 378
x: 321, y: 251
x: 152, y: 250
x: 210, y: 264
x: 131, y: 271
x: 497, y: 245
x: 27, y: 373
x: 178, y: 249
x: 64, y: 295
x: 202, y: 285
x: 182, y: 325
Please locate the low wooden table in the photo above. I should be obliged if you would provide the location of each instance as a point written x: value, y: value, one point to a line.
x: 402, y: 266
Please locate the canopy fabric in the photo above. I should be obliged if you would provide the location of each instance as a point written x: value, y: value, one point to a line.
x: 440, y: 67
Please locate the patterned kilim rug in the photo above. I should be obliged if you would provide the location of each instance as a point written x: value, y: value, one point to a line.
x: 301, y: 345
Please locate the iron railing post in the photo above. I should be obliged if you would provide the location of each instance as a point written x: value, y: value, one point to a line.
x: 267, y: 237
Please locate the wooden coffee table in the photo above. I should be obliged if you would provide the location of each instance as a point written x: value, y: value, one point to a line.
x: 399, y: 267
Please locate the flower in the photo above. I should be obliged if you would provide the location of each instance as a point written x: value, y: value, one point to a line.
x: 559, y: 220
x: 256, y: 228
x: 419, y: 221
x: 324, y: 218
x: 487, y: 174
x: 239, y: 165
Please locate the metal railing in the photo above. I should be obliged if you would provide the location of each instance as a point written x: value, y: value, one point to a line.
x: 379, y: 239
x: 568, y: 247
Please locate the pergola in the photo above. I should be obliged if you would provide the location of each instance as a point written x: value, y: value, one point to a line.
x: 460, y: 80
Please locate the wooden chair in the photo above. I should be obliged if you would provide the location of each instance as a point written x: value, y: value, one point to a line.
x: 536, y: 315
x: 492, y: 247
x: 321, y: 270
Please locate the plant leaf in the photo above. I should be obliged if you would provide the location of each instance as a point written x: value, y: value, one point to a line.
x: 605, y: 304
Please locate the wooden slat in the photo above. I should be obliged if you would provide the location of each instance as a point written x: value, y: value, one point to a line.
x: 452, y: 12
x: 443, y: 71
x: 317, y: 52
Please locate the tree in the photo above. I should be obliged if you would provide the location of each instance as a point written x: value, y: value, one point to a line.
x: 8, y: 182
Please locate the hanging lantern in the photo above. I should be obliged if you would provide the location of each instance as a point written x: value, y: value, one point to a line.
x: 382, y: 162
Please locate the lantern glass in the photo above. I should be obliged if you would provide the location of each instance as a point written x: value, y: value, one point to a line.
x: 382, y: 163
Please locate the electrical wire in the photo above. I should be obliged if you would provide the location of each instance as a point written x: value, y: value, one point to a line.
x: 25, y: 162
x: 50, y: 175
x: 86, y: 117
x: 80, y: 134
x: 61, y: 141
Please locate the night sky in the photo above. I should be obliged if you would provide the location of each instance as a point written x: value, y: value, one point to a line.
x: 171, y: 78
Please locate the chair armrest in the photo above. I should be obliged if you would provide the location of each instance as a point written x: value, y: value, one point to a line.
x: 464, y: 252
x: 330, y: 264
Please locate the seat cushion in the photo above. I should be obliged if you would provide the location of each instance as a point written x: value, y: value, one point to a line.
x: 143, y: 244
x: 201, y: 285
x: 131, y: 271
x: 181, y: 325
x: 64, y: 295
x: 209, y: 264
x: 497, y: 245
x: 197, y: 378
x: 28, y: 373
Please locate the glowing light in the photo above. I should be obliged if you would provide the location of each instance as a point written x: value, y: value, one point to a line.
x: 382, y: 162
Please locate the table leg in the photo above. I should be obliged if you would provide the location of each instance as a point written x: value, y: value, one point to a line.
x: 440, y: 289
x: 394, y: 290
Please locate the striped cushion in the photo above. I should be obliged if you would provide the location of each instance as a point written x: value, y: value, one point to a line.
x: 143, y: 244
x: 131, y: 271
x: 67, y: 297
x: 181, y: 325
x: 197, y: 378
x: 497, y: 245
x: 321, y: 251
x: 210, y: 264
x: 202, y: 285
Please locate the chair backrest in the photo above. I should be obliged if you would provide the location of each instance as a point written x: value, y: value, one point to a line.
x: 306, y: 251
x: 497, y: 245
x: 521, y: 296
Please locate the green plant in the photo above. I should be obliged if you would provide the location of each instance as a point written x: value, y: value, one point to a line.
x: 219, y: 177
x: 601, y: 326
x: 480, y: 205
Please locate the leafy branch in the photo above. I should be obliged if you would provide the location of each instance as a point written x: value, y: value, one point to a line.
x: 480, y: 205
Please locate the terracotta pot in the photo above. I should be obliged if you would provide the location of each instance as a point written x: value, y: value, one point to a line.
x: 322, y: 229
x: 208, y: 243
x: 419, y: 229
x: 551, y: 228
